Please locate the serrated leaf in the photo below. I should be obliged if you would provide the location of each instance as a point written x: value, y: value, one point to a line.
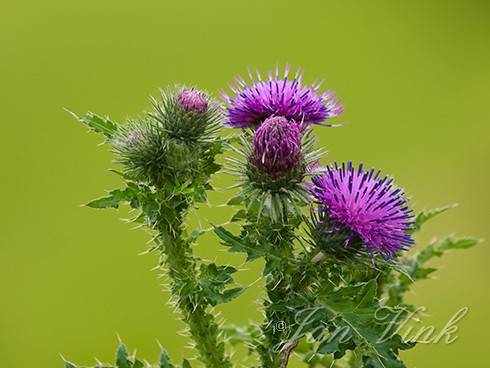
x: 212, y: 285
x: 115, y: 198
x: 354, y: 309
x: 237, y: 244
x: 97, y: 123
x: 425, y: 216
x: 437, y: 249
x: 464, y: 243
x: 186, y: 364
x: 336, y: 344
x: 414, y: 267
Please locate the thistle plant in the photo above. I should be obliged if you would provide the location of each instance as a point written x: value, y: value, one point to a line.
x: 334, y: 238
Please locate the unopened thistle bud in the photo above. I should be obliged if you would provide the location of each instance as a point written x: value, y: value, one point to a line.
x: 192, y: 100
x: 277, y: 146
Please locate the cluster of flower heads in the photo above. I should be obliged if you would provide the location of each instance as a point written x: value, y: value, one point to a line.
x: 170, y: 144
x: 278, y: 109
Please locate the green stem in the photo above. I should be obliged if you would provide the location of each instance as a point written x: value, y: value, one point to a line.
x: 278, y: 318
x: 203, y: 328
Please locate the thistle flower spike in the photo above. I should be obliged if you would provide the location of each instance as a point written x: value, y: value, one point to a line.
x: 252, y: 104
x: 366, y: 204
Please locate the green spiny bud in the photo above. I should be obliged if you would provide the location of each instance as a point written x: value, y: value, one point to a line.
x: 175, y: 143
x: 187, y: 114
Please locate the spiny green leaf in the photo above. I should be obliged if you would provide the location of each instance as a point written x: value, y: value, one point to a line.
x: 336, y: 345
x: 437, y: 249
x: 238, y: 244
x: 463, y: 243
x: 355, y: 310
x: 425, y: 216
x: 97, y: 123
x: 212, y: 283
x: 414, y: 267
x: 112, y: 200
x: 115, y: 198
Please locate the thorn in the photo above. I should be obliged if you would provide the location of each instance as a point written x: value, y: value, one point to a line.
x: 71, y: 113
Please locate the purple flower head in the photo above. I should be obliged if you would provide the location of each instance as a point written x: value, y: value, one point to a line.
x: 193, y: 100
x: 277, y: 146
x: 366, y: 204
x: 277, y: 96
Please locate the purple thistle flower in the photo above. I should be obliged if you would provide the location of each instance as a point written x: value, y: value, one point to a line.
x: 277, y: 146
x: 193, y: 100
x: 366, y: 204
x: 279, y: 97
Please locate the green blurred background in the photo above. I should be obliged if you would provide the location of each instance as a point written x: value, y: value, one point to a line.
x: 415, y: 80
